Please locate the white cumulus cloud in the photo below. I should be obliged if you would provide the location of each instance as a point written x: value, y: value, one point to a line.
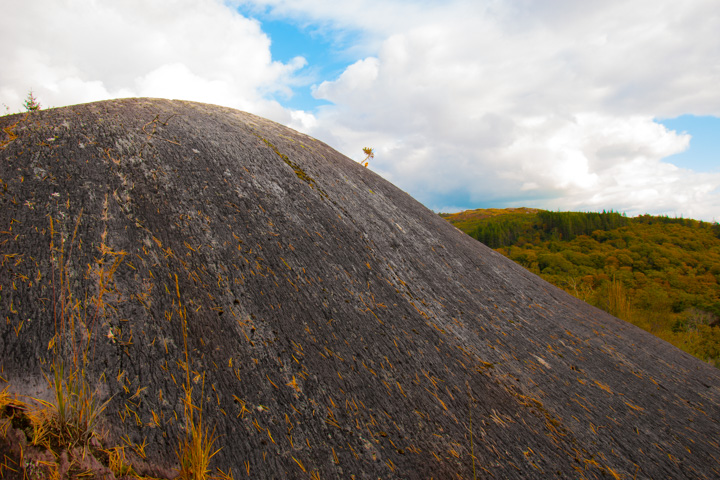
x: 467, y: 103
x: 550, y: 104
x: 75, y: 51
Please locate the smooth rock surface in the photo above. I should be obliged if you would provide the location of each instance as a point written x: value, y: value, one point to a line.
x: 336, y: 327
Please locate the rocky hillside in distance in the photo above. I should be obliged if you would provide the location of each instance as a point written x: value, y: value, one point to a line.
x: 329, y: 325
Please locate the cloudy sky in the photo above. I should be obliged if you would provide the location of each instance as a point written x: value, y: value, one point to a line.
x: 555, y: 104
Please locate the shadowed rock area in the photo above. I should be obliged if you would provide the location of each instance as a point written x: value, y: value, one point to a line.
x: 336, y: 328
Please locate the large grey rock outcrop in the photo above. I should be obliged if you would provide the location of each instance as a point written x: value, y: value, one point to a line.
x: 342, y: 329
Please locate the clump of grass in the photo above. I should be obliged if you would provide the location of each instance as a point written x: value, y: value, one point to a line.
x: 5, y: 402
x: 5, y: 398
x: 195, y: 448
x: 71, y: 418
x: 117, y: 462
x: 75, y: 410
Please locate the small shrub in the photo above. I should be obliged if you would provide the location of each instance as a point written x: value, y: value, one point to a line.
x: 31, y: 103
x: 369, y: 153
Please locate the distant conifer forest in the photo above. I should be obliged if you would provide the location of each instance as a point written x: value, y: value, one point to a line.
x: 657, y: 272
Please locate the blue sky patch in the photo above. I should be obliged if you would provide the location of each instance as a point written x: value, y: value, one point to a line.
x: 703, y: 155
x: 326, y: 58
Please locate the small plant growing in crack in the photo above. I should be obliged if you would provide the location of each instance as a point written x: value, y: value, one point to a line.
x: 369, y: 154
x: 195, y: 448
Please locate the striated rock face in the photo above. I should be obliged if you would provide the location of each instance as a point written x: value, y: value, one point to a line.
x: 335, y: 326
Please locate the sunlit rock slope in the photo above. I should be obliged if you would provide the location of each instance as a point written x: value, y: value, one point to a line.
x: 335, y: 326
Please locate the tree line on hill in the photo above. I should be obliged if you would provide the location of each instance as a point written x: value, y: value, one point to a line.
x: 506, y: 230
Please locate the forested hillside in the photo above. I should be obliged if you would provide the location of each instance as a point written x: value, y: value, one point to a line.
x: 658, y: 273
